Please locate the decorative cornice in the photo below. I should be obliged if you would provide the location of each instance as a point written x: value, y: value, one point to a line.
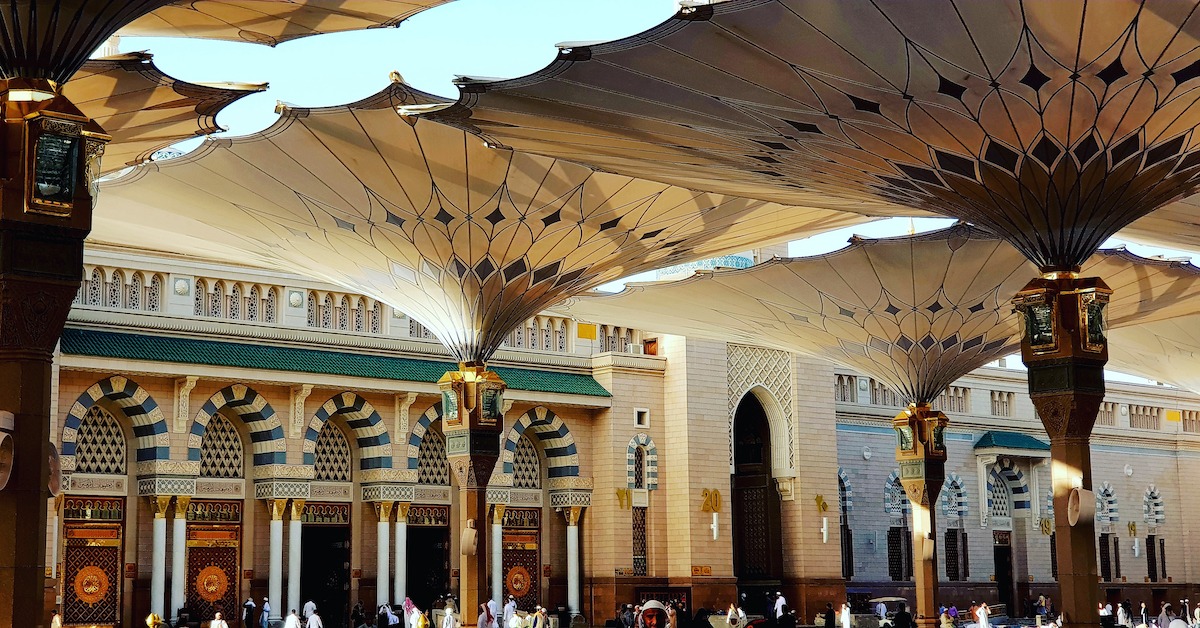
x: 389, y: 492
x: 166, y: 486
x: 183, y: 468
x: 281, y: 489
x: 570, y: 482
x: 284, y: 472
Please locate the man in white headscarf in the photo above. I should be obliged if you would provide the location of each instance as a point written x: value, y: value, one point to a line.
x: 780, y: 602
x: 494, y: 609
x: 510, y: 610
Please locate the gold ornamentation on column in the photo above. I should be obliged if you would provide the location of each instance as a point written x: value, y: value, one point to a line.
x: 297, y: 509
x: 402, y: 511
x: 498, y: 513
x: 161, y: 505
x: 181, y: 506
x: 573, y: 513
x: 278, y: 508
x: 384, y: 511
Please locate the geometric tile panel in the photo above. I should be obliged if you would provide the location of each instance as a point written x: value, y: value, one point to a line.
x: 149, y: 427
x: 650, y: 452
x: 374, y: 444
x: 562, y: 458
x: 954, y: 497
x: 527, y: 466
x: 895, y: 501
x: 1153, y: 510
x: 432, y: 464
x: 221, y: 450
x: 101, y: 444
x: 266, y: 433
x: 1005, y: 472
x: 331, y: 456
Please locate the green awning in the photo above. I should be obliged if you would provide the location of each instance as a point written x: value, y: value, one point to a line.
x: 1010, y: 440
x: 129, y: 346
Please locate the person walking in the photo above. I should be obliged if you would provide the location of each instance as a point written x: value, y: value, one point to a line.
x: 293, y: 620
x: 309, y: 607
x: 846, y: 615
x: 314, y: 620
x: 981, y: 615
x: 510, y: 609
x: 264, y: 619
x: 248, y: 612
x: 486, y: 618
x: 448, y: 620
x: 217, y: 622
x: 828, y: 617
x: 902, y: 618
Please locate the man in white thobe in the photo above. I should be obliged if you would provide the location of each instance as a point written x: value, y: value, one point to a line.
x: 314, y: 620
x: 292, y: 621
x: 981, y: 615
x: 494, y: 609
x: 510, y: 609
x: 780, y: 602
x: 217, y: 622
x: 881, y: 610
x: 309, y: 607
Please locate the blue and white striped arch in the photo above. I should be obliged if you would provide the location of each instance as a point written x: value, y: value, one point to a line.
x: 266, y: 434
x: 562, y: 458
x: 845, y: 491
x: 1005, y: 471
x: 374, y: 444
x: 954, y: 496
x: 643, y: 440
x: 135, y: 403
x: 434, y: 413
x: 1106, y: 505
x: 1154, y: 512
x: 895, y: 500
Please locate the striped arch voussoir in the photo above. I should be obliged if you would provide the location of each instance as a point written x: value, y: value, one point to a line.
x: 1153, y: 510
x: 954, y: 496
x: 1005, y: 471
x: 643, y: 440
x: 847, y: 494
x: 266, y: 433
x: 374, y: 444
x: 562, y: 458
x: 149, y: 426
x: 893, y: 484
x: 434, y: 413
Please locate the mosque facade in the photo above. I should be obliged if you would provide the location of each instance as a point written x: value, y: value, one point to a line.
x: 229, y: 433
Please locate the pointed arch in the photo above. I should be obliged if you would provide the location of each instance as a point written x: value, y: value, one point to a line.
x: 266, y: 433
x: 1106, y: 505
x: 643, y: 440
x: 845, y: 492
x: 954, y: 496
x: 1006, y: 471
x: 562, y: 458
x: 434, y: 413
x: 778, y: 421
x: 895, y: 500
x: 1154, y: 512
x: 370, y: 433
x: 150, y: 436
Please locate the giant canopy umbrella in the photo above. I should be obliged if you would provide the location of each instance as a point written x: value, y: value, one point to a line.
x: 915, y: 313
x: 1051, y: 124
x: 469, y: 240
x: 1165, y: 351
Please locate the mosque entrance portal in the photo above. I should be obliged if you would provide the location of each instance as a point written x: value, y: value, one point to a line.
x: 757, y: 546
x: 428, y: 554
x: 325, y: 566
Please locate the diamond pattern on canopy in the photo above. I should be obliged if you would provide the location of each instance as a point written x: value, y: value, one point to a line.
x: 1166, y: 351
x: 469, y: 240
x: 145, y: 110
x: 1050, y: 124
x: 272, y: 22
x: 915, y: 312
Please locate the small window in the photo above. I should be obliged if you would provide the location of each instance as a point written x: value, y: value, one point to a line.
x: 641, y: 417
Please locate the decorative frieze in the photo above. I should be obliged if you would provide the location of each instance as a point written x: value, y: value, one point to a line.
x: 498, y: 495
x: 525, y: 497
x: 96, y: 484
x: 569, y: 482
x: 396, y: 476
x: 284, y: 472
x: 215, y: 487
x: 388, y: 492
x: 568, y: 498
x: 148, y: 468
x: 331, y: 491
x: 280, y: 489
x: 431, y: 494
x: 166, y: 486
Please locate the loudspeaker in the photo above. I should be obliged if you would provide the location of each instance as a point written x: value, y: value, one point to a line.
x: 1081, y: 506
x: 54, y: 483
x: 469, y: 541
x: 6, y: 458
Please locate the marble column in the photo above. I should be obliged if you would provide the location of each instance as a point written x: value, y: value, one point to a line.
x: 158, y: 557
x: 275, y: 575
x: 400, y: 581
x: 574, y: 582
x: 179, y: 557
x: 383, y: 556
x: 498, y: 554
x: 294, y: 557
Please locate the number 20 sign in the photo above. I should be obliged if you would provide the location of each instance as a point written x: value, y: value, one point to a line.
x: 710, y: 500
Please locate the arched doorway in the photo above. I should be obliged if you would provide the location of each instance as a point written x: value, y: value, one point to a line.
x: 757, y: 546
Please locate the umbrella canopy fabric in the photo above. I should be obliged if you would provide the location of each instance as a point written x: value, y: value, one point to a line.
x: 915, y: 312
x: 271, y: 22
x: 1050, y: 124
x: 469, y: 240
x: 1166, y: 351
x: 145, y: 110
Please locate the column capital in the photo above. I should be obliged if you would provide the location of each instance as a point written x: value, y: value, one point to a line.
x: 181, y: 506
x: 278, y: 508
x: 573, y: 514
x: 297, y: 509
x: 384, y: 511
x: 498, y: 514
x: 161, y: 505
x: 402, y: 511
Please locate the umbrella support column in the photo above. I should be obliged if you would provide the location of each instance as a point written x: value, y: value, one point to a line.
x: 472, y: 419
x: 1065, y: 349
x: 921, y: 452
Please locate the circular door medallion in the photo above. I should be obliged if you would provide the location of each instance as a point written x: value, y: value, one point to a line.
x: 518, y: 581
x: 212, y: 583
x: 91, y: 584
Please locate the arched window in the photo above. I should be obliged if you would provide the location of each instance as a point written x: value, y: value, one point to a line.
x: 533, y: 335
x: 133, y: 297
x: 547, y: 335
x: 216, y: 300
x: 235, y: 302
x: 639, y: 467
x: 252, y: 304
x: 561, y: 336
x: 332, y: 455
x: 899, y: 537
x: 312, y: 309
x: 95, y: 288
x: 954, y: 507
x: 343, y: 314
x: 100, y: 444
x: 360, y: 314
x: 432, y: 465
x: 221, y: 450
x: 198, y: 301
x: 115, y: 288
x: 271, y: 306
x: 527, y: 467
x: 376, y: 318
x: 154, y: 294
x: 327, y: 312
